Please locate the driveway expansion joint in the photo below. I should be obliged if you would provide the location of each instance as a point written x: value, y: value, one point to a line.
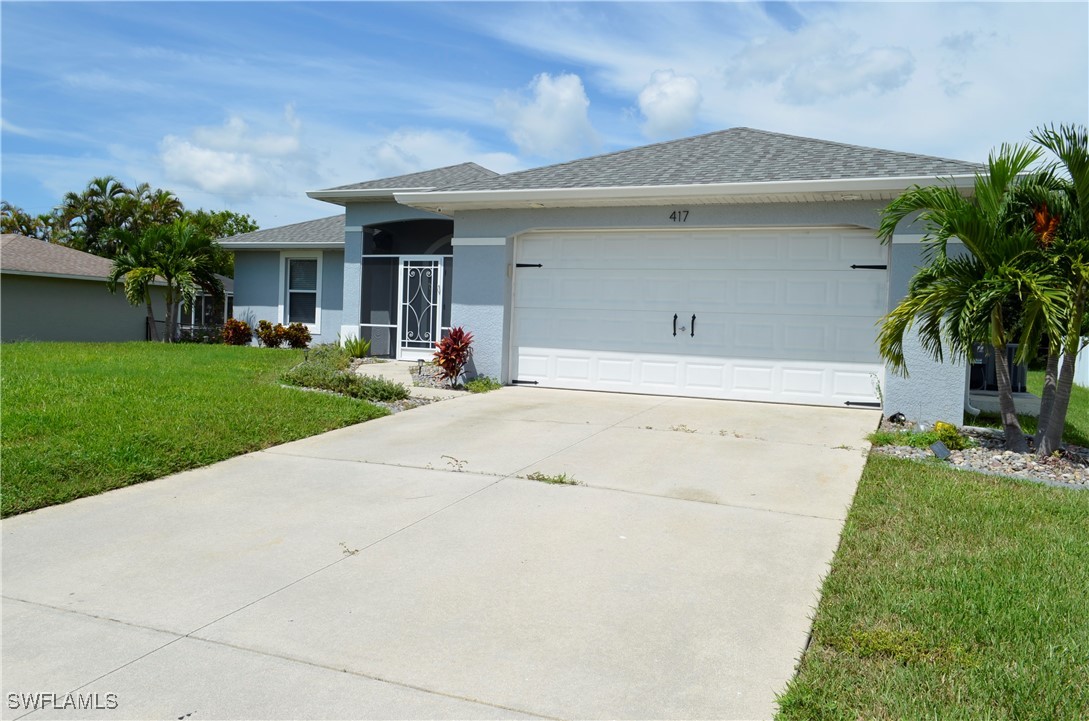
x: 368, y: 676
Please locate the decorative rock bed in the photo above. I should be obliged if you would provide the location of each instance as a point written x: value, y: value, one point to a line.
x: 1068, y: 467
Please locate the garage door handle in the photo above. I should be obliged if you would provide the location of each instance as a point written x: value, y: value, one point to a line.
x: 693, y: 326
x: 674, y: 325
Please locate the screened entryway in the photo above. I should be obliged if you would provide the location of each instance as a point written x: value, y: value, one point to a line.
x: 407, y: 271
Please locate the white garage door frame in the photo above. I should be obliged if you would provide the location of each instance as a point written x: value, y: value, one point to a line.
x: 817, y: 346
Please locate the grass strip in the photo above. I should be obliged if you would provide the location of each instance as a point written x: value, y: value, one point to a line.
x: 953, y: 595
x: 82, y: 418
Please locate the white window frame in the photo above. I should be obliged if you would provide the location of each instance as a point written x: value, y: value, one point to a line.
x: 285, y: 256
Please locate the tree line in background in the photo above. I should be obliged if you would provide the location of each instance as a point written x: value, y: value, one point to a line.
x: 149, y: 235
x: 1024, y: 279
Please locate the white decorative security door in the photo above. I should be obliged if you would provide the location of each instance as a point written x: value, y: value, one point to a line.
x: 420, y: 311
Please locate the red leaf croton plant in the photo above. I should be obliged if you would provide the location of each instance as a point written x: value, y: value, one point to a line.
x: 453, y: 352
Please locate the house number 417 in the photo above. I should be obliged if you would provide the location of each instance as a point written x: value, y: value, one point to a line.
x: 679, y: 216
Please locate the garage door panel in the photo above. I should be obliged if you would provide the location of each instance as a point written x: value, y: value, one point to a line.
x: 747, y: 250
x: 780, y: 315
x: 791, y: 292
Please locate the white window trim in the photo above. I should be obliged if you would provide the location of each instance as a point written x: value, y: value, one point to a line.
x: 286, y: 255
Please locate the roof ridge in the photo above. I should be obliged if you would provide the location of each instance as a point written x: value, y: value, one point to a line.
x: 617, y: 152
x: 901, y: 153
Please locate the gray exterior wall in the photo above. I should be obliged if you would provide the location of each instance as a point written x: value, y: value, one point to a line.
x: 480, y: 299
x: 931, y: 391
x: 65, y: 309
x: 258, y: 285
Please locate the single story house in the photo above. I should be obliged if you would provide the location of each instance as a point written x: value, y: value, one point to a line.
x: 51, y: 292
x: 740, y: 264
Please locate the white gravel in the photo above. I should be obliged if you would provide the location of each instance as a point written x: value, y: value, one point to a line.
x: 1069, y: 467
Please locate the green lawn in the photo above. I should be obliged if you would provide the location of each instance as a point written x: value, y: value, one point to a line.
x: 953, y: 595
x: 82, y: 418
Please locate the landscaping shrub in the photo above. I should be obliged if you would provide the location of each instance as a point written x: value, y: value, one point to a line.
x: 453, y: 352
x: 357, y: 347
x: 944, y: 432
x: 482, y: 384
x: 237, y: 332
x: 331, y: 355
x: 297, y: 335
x: 271, y: 336
x: 325, y: 370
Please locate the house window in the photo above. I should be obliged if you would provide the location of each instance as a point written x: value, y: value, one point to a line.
x: 301, y: 294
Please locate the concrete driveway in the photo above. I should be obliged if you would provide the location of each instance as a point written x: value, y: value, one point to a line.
x: 404, y: 568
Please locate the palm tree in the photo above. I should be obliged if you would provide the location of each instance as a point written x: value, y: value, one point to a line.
x: 136, y: 264
x: 997, y: 294
x: 1064, y: 213
x: 179, y: 256
x: 186, y: 261
x: 85, y: 217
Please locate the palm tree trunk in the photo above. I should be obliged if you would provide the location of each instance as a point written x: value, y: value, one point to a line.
x: 1053, y: 436
x: 1047, y: 398
x: 171, y: 314
x: 153, y: 329
x: 1015, y: 437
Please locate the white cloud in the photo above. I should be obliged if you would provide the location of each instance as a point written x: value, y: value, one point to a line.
x: 875, y: 70
x: 234, y: 160
x: 554, y: 121
x: 669, y: 102
x: 819, y: 62
x: 411, y: 150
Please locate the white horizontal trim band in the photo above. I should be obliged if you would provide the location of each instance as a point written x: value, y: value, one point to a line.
x: 478, y: 241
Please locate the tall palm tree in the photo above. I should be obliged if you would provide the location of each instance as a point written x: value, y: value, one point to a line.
x: 136, y: 265
x: 186, y: 261
x: 1066, y: 214
x: 179, y: 256
x: 997, y: 294
x: 86, y: 216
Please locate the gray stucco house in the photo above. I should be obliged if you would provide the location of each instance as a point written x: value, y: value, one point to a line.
x: 740, y: 264
x: 53, y: 293
x: 50, y: 292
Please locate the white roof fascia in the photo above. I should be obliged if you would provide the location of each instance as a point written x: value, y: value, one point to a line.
x: 500, y: 198
x: 363, y: 195
x: 281, y: 246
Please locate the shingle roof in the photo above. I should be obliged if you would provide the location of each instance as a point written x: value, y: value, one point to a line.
x: 439, y: 178
x: 737, y: 155
x: 323, y: 231
x: 21, y: 254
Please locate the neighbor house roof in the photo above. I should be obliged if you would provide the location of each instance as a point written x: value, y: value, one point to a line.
x: 320, y: 233
x: 722, y: 166
x: 20, y: 255
x: 384, y: 188
x: 29, y: 256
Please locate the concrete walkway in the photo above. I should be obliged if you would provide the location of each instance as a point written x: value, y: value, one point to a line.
x: 401, y: 372
x: 405, y: 568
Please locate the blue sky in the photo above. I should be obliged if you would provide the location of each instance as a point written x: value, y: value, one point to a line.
x: 248, y: 105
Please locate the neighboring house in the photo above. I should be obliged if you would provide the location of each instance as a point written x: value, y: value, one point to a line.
x: 50, y: 292
x: 740, y: 264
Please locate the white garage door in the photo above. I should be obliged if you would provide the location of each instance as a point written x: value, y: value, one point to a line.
x: 750, y: 315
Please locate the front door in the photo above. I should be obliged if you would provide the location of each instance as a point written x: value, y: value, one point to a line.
x: 419, y: 315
